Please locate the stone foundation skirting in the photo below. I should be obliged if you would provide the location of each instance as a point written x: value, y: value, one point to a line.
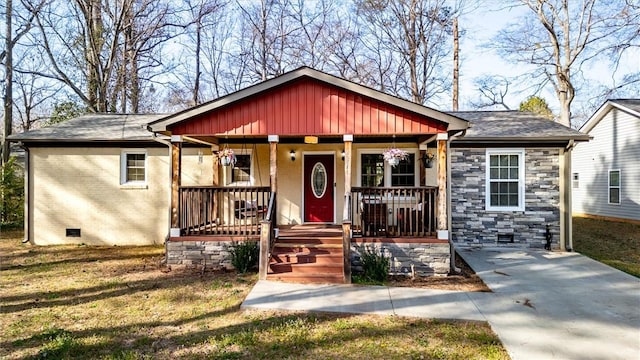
x: 428, y: 259
x: 208, y: 254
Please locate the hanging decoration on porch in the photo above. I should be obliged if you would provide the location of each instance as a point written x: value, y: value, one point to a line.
x: 394, y: 155
x: 227, y: 156
x: 427, y: 159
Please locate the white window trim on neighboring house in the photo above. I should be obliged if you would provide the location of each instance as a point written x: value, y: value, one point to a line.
x: 228, y: 170
x: 610, y: 187
x: 124, y: 169
x: 521, y: 179
x: 387, y: 167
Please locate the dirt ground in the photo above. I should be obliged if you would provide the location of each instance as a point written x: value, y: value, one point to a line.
x: 467, y: 280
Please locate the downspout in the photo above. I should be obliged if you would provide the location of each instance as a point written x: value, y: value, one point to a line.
x: 452, y: 249
x: 166, y: 242
x: 566, y: 219
x: 27, y: 196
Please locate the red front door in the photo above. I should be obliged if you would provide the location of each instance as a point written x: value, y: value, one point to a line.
x: 318, y: 188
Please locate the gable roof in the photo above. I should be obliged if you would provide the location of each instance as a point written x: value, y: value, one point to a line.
x: 631, y: 106
x: 164, y: 124
x: 93, y: 127
x: 515, y: 126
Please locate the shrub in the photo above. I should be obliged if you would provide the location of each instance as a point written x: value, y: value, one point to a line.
x: 11, y: 194
x: 244, y: 255
x: 374, y: 264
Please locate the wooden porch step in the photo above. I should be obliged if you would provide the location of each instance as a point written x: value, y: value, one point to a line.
x: 308, y: 245
x: 307, y: 258
x: 308, y: 278
x: 309, y: 268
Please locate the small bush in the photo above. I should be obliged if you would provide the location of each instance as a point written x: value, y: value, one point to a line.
x: 374, y: 264
x: 244, y: 255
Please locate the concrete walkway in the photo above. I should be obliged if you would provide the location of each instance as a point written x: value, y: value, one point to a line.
x: 551, y: 305
x: 544, y: 305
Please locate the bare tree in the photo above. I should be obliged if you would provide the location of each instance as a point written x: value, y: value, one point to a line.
x: 492, y: 92
x: 100, y: 49
x: 416, y: 33
x: 558, y: 37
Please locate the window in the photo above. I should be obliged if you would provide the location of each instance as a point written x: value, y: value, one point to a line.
x: 241, y: 171
x: 505, y: 180
x: 133, y: 168
x: 372, y: 170
x: 375, y: 172
x: 575, y: 183
x: 614, y: 186
x: 403, y: 174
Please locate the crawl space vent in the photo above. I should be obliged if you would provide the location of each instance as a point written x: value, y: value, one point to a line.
x: 505, y: 238
x: 73, y: 232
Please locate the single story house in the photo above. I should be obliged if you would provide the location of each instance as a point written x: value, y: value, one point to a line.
x: 314, y: 167
x: 606, y: 169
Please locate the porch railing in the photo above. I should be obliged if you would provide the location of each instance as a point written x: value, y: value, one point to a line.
x: 393, y: 212
x: 214, y: 210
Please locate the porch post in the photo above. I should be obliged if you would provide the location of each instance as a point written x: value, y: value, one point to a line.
x: 273, y: 161
x: 443, y: 229
x: 346, y: 214
x: 176, y: 164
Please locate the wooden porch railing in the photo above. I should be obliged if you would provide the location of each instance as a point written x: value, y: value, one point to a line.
x: 214, y: 210
x: 397, y: 212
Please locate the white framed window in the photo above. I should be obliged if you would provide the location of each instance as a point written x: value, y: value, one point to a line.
x: 614, y: 186
x: 373, y: 171
x: 240, y: 174
x: 133, y: 167
x: 505, y: 180
x: 575, y: 180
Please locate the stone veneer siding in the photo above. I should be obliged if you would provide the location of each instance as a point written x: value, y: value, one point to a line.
x: 472, y: 224
x: 427, y: 258
x: 209, y: 254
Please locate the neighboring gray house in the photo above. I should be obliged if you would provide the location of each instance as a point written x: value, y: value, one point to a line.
x: 527, y: 182
x: 606, y: 170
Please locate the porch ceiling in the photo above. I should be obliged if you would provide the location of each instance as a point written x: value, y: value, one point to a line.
x: 308, y: 102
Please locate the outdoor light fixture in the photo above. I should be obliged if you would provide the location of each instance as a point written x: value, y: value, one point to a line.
x: 342, y: 155
x: 292, y: 153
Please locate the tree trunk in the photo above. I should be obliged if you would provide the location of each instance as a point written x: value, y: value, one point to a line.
x: 8, y: 96
x: 456, y: 65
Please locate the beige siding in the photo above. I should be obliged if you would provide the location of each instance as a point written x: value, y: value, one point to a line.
x: 615, y: 145
x: 80, y: 188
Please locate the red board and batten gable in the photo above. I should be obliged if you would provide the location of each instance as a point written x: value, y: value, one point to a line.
x: 307, y: 106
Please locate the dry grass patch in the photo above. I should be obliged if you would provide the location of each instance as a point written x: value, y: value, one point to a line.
x: 83, y: 302
x: 616, y: 244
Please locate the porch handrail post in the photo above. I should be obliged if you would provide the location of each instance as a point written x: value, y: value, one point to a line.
x: 265, y: 244
x: 346, y: 214
x: 176, y: 164
x: 442, y: 226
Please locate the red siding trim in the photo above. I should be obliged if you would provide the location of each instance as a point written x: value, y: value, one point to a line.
x: 308, y: 107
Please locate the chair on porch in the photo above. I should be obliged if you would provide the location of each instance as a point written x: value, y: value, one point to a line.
x: 248, y: 209
x: 374, y: 218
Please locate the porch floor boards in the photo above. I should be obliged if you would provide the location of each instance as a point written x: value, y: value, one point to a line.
x: 308, y: 254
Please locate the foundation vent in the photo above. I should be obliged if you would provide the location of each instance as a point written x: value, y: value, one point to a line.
x: 73, y: 232
x: 505, y: 238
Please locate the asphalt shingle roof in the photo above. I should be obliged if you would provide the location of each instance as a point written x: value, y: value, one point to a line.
x: 514, y: 125
x: 94, y: 127
x: 631, y: 104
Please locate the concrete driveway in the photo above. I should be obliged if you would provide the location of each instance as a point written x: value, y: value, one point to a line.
x: 549, y: 305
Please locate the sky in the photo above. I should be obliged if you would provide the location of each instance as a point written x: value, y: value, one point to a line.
x: 483, y: 24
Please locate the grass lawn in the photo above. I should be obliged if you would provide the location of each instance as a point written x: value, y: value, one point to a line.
x: 616, y: 244
x: 81, y: 302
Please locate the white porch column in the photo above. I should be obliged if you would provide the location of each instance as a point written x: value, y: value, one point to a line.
x: 176, y: 164
x: 441, y: 212
x: 348, y: 145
